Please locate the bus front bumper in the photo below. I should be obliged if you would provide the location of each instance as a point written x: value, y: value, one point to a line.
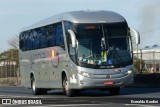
x: 92, y: 83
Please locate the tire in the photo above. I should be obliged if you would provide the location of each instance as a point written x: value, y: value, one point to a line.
x: 35, y: 90
x: 67, y: 91
x: 114, y: 91
x: 43, y: 91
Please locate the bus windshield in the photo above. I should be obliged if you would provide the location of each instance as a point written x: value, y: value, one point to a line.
x: 103, y: 45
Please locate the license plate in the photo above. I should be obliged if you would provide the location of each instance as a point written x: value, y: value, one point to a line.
x: 108, y: 82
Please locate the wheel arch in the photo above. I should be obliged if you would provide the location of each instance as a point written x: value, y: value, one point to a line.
x: 63, y: 75
x: 31, y: 76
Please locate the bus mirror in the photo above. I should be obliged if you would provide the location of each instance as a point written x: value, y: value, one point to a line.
x: 73, y: 38
x: 136, y: 35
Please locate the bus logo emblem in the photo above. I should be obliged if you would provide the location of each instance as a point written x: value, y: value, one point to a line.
x: 108, y: 76
x: 55, y: 56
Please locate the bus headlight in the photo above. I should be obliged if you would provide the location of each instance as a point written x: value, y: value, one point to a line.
x: 129, y: 71
x: 85, y: 74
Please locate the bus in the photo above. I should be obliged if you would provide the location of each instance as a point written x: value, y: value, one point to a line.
x: 76, y: 51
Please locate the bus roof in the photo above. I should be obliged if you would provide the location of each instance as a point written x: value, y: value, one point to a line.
x: 80, y: 17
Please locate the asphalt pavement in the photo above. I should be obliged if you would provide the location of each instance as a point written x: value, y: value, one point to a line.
x: 147, y: 80
x: 132, y: 97
x: 145, y: 92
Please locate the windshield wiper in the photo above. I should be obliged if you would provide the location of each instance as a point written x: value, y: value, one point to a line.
x: 103, y: 40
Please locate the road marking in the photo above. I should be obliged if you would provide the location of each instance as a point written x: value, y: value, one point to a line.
x: 10, y: 96
x: 140, y: 105
x: 74, y: 105
x: 6, y: 96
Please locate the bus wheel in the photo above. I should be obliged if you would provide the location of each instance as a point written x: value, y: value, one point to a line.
x: 43, y: 91
x: 114, y: 91
x: 35, y: 90
x: 68, y: 92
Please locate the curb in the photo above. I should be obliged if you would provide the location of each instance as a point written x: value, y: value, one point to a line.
x: 146, y: 85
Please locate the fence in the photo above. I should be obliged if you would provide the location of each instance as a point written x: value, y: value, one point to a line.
x: 149, y: 60
x: 9, y: 73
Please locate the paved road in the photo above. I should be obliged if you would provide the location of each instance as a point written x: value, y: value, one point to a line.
x: 93, y: 98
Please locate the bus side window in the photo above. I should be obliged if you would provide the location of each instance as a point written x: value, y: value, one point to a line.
x: 35, y: 40
x: 59, y: 35
x: 21, y: 42
x: 51, y: 36
x: 30, y: 40
x: 44, y: 37
x: 26, y: 41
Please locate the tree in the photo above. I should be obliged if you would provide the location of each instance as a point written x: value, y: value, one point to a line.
x: 14, y: 42
x: 9, y: 55
x: 136, y: 64
x: 14, y: 53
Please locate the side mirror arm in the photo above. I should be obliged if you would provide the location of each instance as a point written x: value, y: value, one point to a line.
x: 136, y: 34
x: 73, y: 38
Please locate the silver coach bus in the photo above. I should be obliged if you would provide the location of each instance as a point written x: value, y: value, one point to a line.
x: 77, y: 51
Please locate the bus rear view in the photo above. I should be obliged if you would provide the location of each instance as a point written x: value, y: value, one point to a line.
x: 98, y: 53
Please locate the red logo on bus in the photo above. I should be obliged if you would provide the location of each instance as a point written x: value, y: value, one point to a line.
x: 55, y: 56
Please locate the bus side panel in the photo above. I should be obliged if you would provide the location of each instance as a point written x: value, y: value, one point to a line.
x: 46, y: 64
x: 24, y: 69
x: 57, y: 64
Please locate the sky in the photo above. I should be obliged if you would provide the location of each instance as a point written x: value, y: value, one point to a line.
x: 142, y: 15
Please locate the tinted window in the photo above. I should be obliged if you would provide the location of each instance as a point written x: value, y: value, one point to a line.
x: 51, y: 36
x: 42, y: 37
x: 21, y: 41
x: 26, y: 41
x: 59, y: 35
x: 30, y: 40
x: 36, y: 42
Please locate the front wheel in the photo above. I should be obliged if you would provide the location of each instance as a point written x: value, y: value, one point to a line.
x: 69, y: 92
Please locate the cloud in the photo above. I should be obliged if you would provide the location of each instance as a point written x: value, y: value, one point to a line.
x: 148, y: 16
x: 148, y: 27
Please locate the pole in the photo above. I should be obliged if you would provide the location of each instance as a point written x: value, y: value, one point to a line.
x: 137, y: 52
x: 141, y: 61
x: 153, y: 63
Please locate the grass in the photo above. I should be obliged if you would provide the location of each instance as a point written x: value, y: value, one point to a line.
x: 9, y: 81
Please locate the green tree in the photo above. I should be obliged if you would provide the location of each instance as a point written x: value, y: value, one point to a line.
x: 10, y: 55
x: 137, y: 63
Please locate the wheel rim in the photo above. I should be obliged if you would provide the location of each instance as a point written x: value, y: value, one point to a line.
x: 33, y: 85
x: 65, y: 85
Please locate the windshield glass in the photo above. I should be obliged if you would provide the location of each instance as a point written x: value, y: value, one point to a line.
x: 103, y: 45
